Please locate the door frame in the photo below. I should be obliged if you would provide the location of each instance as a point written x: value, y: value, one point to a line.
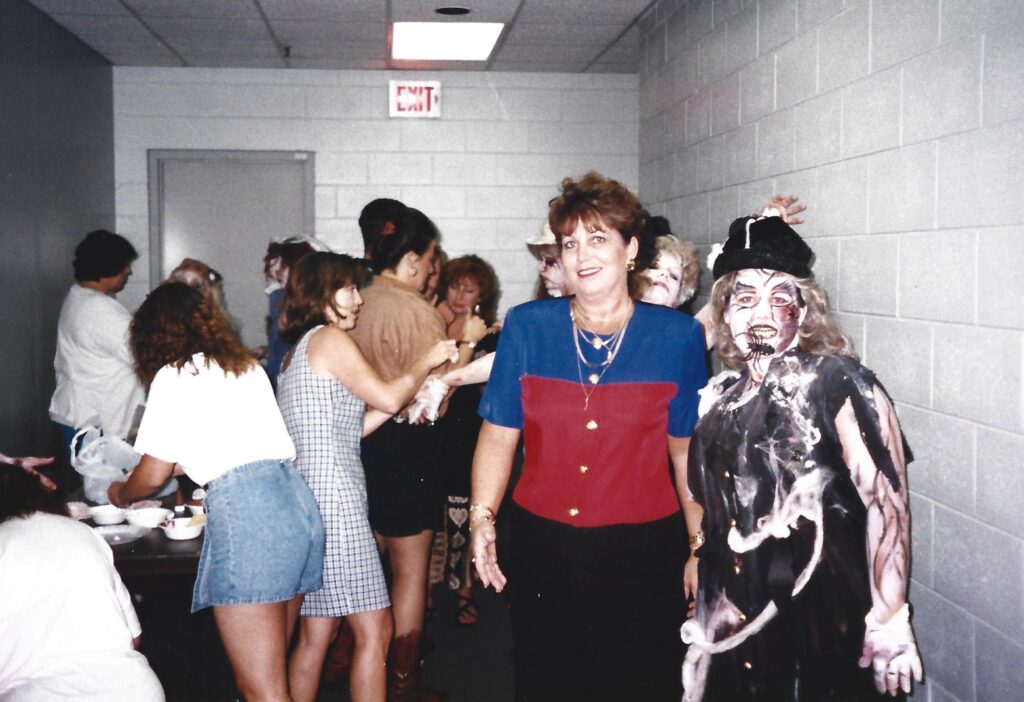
x: 157, y: 160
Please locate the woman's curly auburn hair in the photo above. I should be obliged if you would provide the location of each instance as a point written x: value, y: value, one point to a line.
x: 479, y: 271
x: 175, y: 323
x: 599, y: 203
x: 312, y: 285
x: 818, y: 334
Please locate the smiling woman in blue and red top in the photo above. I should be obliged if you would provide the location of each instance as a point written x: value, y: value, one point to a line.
x: 603, y: 390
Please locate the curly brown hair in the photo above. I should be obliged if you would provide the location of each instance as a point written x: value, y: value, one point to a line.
x: 481, y: 273
x: 175, y: 323
x: 603, y: 203
x: 818, y: 334
x: 311, y: 287
x: 21, y: 495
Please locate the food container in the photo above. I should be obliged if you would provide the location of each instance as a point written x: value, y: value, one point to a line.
x: 106, y: 514
x: 149, y: 517
x: 195, y: 509
x: 182, y: 528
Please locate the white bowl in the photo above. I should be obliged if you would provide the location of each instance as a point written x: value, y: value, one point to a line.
x: 106, y: 514
x: 195, y: 509
x: 149, y: 517
x: 179, y: 530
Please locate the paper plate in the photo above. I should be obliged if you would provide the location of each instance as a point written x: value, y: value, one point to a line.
x: 121, y: 533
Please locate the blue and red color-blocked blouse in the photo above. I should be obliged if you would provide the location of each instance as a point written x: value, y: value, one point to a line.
x: 603, y: 461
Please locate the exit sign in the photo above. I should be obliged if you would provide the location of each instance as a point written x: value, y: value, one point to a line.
x: 415, y: 98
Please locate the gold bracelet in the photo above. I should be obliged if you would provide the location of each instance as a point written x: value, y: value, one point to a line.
x: 696, y: 540
x: 469, y: 344
x: 488, y: 513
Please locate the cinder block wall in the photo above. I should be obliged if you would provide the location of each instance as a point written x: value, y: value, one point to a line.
x: 899, y: 123
x: 484, y: 171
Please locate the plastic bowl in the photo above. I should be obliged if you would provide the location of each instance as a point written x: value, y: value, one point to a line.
x: 149, y: 517
x: 179, y: 530
x: 105, y: 515
x: 195, y: 509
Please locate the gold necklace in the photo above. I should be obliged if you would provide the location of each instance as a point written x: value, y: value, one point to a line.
x: 612, y: 346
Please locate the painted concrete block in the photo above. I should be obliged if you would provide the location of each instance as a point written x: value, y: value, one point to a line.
x: 988, y: 392
x: 920, y: 539
x: 725, y: 104
x: 871, y: 114
x: 930, y: 83
x: 1001, y: 254
x: 775, y: 144
x: 334, y: 168
x: 901, y: 29
x: 945, y: 638
x: 965, y: 18
x: 899, y: 351
x: 1000, y: 480
x: 497, y: 137
x: 936, y: 280
x: 842, y: 206
x: 867, y: 275
x: 757, y: 89
x: 981, y: 569
x: 901, y: 189
x: 1000, y: 673
x: 818, y: 127
x: 944, y: 468
x: 980, y: 173
x: 776, y: 25
x: 454, y: 169
x: 401, y: 168
x: 843, y: 45
x: 1004, y: 55
x: 740, y: 154
x: 810, y: 13
x: 436, y: 200
x: 796, y: 71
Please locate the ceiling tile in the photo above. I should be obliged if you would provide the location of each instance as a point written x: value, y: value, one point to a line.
x: 233, y: 9
x: 325, y: 10
x: 77, y: 7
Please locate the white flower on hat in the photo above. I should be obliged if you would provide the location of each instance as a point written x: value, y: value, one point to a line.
x: 716, y: 251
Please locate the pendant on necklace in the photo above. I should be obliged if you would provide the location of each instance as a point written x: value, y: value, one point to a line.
x: 593, y: 378
x: 597, y: 343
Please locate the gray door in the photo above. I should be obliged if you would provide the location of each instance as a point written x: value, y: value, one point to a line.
x: 223, y: 208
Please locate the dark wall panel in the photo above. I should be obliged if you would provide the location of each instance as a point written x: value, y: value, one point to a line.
x: 56, y: 183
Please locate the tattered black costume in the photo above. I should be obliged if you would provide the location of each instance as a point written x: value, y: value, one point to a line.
x: 760, y: 465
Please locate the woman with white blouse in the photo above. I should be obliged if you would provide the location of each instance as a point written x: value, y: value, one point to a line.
x: 212, y: 415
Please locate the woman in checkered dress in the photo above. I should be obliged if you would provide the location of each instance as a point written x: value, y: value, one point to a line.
x: 324, y: 389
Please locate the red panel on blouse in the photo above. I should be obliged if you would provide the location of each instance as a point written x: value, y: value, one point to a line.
x: 603, y: 465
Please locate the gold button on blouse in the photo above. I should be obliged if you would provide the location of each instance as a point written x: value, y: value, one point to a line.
x: 748, y: 665
x: 593, y: 378
x: 573, y: 512
x: 591, y: 425
x: 583, y: 469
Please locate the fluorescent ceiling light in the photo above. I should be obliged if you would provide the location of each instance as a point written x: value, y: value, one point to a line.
x: 444, y: 41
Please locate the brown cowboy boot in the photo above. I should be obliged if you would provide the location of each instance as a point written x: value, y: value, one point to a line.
x: 404, y: 671
x: 339, y: 655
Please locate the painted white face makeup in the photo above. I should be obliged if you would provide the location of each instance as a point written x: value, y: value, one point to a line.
x: 552, y: 273
x: 347, y: 302
x: 666, y: 278
x: 764, y: 315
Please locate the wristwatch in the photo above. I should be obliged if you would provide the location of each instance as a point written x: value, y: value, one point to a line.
x: 696, y: 540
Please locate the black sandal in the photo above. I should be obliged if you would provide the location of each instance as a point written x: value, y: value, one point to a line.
x: 468, y: 615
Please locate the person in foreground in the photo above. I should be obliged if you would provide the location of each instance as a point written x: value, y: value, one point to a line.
x: 68, y: 630
x: 212, y: 414
x: 324, y: 388
x: 603, y: 390
x: 800, y: 465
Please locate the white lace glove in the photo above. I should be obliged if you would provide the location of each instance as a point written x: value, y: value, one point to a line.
x: 891, y: 651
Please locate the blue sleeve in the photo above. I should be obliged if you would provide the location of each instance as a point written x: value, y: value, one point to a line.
x: 502, y: 402
x: 692, y: 376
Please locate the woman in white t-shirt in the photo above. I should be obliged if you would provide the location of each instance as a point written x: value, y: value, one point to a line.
x: 212, y: 415
x: 68, y: 630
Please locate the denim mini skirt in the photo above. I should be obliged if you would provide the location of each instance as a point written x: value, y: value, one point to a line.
x: 264, y: 537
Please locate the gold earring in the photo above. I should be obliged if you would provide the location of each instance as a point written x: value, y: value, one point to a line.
x: 631, y: 264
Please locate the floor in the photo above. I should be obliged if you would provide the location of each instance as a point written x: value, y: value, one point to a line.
x: 467, y: 664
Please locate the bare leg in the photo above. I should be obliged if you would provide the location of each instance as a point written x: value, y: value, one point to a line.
x: 410, y: 558
x: 368, y: 677
x: 254, y: 638
x: 293, y: 616
x: 307, y: 660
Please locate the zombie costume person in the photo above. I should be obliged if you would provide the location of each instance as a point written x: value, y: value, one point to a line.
x: 800, y: 465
